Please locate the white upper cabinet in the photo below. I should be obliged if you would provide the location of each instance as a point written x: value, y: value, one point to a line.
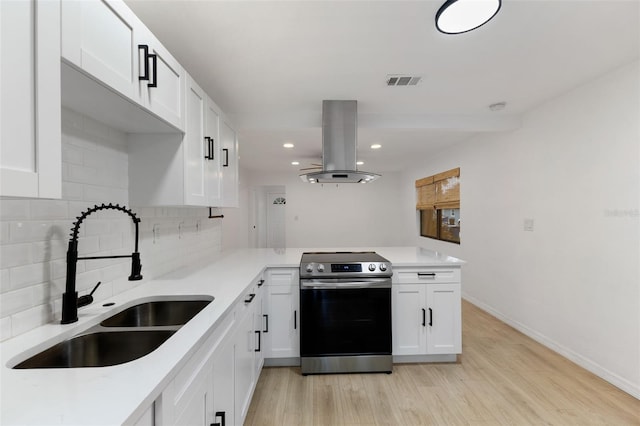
x: 195, y: 146
x: 213, y: 166
x: 108, y: 42
x: 229, y: 141
x: 30, y: 113
x: 101, y: 38
x: 177, y: 170
x: 161, y: 80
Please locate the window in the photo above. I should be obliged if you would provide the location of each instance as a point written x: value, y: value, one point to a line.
x: 438, y: 204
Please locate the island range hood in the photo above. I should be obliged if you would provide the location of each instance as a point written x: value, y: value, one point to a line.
x: 339, y: 144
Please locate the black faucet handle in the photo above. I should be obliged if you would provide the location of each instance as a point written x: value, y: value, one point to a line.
x: 88, y: 298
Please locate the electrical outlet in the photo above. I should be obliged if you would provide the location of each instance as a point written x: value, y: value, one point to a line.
x: 528, y: 225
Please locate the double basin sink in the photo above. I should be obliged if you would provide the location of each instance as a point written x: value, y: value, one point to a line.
x: 123, y: 337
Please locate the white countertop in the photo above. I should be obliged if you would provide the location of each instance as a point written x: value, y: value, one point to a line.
x: 121, y: 393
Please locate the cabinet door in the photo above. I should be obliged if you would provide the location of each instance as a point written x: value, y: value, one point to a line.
x: 409, y: 319
x: 244, y: 365
x: 443, y: 319
x: 196, y: 410
x: 213, y: 163
x: 30, y: 148
x: 282, y: 339
x: 101, y: 38
x: 223, y: 384
x: 258, y: 330
x: 194, y: 146
x: 162, y: 93
x: 229, y: 143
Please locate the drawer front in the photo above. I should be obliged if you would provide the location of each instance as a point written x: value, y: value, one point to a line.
x: 426, y: 275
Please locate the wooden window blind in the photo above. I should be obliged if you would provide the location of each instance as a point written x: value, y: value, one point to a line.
x: 438, y: 202
x: 440, y: 191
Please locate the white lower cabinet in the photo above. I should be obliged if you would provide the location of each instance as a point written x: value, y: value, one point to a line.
x: 281, y: 313
x: 215, y: 387
x: 245, y: 345
x: 426, y: 312
x: 223, y: 385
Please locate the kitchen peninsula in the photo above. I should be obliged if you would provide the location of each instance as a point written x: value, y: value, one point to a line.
x: 177, y: 382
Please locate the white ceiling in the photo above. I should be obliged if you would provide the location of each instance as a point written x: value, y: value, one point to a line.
x: 269, y: 65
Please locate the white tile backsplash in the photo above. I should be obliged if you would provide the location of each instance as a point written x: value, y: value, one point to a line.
x: 34, y: 233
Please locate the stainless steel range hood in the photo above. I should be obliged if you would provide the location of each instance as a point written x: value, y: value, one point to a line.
x: 339, y: 144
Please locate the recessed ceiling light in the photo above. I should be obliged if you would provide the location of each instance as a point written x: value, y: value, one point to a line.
x: 460, y: 16
x: 359, y: 163
x: 295, y: 163
x: 288, y: 145
x: 376, y: 146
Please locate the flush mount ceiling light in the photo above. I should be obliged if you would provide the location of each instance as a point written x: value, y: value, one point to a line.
x: 376, y: 146
x: 288, y: 145
x: 460, y: 16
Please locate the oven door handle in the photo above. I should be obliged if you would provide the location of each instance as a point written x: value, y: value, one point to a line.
x: 346, y: 284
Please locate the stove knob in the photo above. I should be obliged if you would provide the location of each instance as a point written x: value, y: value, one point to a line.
x: 320, y: 267
x: 309, y: 267
x: 372, y: 267
x: 383, y: 267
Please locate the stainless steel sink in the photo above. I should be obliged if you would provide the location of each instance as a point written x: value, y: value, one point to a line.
x: 100, y: 349
x: 123, y: 337
x: 157, y: 313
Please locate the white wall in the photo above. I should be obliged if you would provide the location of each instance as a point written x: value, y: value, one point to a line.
x: 574, y: 168
x: 34, y: 233
x: 346, y: 215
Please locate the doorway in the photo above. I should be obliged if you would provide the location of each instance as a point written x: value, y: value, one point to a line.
x: 269, y: 224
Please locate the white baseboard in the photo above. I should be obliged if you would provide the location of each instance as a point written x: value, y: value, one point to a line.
x: 619, y: 382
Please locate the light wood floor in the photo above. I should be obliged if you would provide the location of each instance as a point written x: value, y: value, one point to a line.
x: 502, y: 377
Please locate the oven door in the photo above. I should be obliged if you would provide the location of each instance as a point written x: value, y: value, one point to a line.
x: 345, y: 317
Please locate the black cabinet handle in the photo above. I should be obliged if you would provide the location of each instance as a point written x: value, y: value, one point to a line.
x: 424, y: 319
x: 427, y: 274
x: 154, y: 62
x: 260, y: 283
x: 295, y: 320
x: 266, y: 317
x: 259, y: 341
x: 430, y: 318
x: 145, y: 52
x: 209, y: 155
x: 221, y: 415
x: 250, y: 298
x: 226, y: 157
x: 211, y: 148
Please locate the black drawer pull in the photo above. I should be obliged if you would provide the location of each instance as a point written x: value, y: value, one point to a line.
x: 221, y: 415
x: 424, y: 317
x: 250, y: 298
x: 295, y: 320
x: 430, y: 317
x: 154, y: 62
x: 427, y: 274
x: 266, y: 325
x: 145, y: 53
x: 226, y: 157
x: 259, y: 341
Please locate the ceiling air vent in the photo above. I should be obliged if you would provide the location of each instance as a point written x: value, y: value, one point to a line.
x: 402, y: 80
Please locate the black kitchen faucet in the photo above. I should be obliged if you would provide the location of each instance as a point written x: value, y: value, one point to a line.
x: 70, y: 300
